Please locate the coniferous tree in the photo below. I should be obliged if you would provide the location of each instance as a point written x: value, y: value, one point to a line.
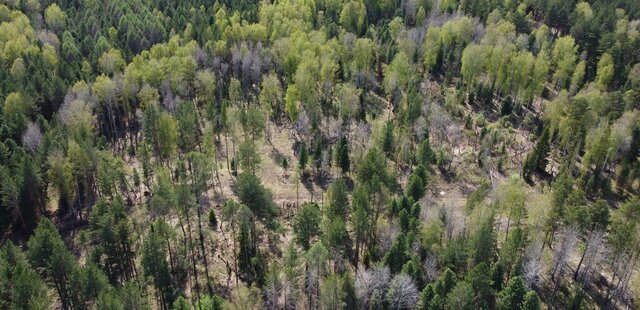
x: 531, y: 301
x: 255, y: 196
x: 306, y: 224
x: 20, y: 286
x: 513, y: 295
x: 155, y: 266
x: 303, y: 157
x: 49, y: 255
x: 537, y: 159
x: 30, y: 200
x: 342, y: 155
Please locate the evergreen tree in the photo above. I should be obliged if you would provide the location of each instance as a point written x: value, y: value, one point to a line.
x: 480, y: 279
x: 337, y: 200
x: 531, y: 301
x: 388, y: 142
x: 213, y: 220
x: 30, y: 197
x: 306, y: 224
x: 425, y: 154
x: 497, y: 275
x: 397, y: 254
x: 342, y: 155
x: 460, y: 297
x: 20, y: 286
x: 303, y: 157
x: 537, y: 159
x: 255, y: 196
x: 513, y: 295
x: 112, y: 233
x: 155, y: 266
x: 48, y: 253
x: 415, y: 187
x: 482, y: 243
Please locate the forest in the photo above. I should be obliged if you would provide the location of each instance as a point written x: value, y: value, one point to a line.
x: 319, y: 154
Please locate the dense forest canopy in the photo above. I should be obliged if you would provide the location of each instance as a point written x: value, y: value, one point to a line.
x: 329, y: 154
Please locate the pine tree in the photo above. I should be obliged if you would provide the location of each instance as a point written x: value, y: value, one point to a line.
x: 306, y: 224
x: 303, y: 157
x: 415, y: 187
x: 480, y: 279
x: 337, y: 200
x: 112, y: 235
x: 48, y: 253
x: 155, y: 266
x: 255, y: 196
x: 497, y: 275
x: 512, y: 297
x: 397, y: 254
x: 20, y: 286
x: 460, y: 297
x: 482, y: 243
x: 30, y: 198
x: 531, y: 301
x: 342, y: 155
x: 388, y: 140
x: 109, y: 299
x: 536, y: 161
x: 425, y: 154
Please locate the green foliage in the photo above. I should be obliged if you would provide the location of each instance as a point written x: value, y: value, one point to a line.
x: 415, y: 187
x: 537, y: 159
x: 482, y: 243
x: 513, y: 295
x: 303, y: 157
x: 156, y: 267
x: 112, y: 234
x: 255, y: 196
x: 248, y: 156
x: 306, y: 224
x: 461, y: 296
x: 397, y: 255
x: 342, y: 155
x: 20, y: 286
x: 373, y: 172
x: 531, y: 301
x: 352, y: 16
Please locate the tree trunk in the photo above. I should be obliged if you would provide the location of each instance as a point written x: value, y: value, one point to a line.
x: 204, y: 254
x: 575, y: 274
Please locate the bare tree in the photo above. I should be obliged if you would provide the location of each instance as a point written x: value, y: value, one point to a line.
x: 271, y: 293
x: 594, y: 256
x: 563, y: 249
x: 48, y: 37
x: 532, y: 266
x: 561, y: 253
x: 420, y: 128
x: 168, y: 99
x: 402, y: 293
x: 623, y: 271
x: 430, y: 266
x: 31, y: 137
x: 372, y: 285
